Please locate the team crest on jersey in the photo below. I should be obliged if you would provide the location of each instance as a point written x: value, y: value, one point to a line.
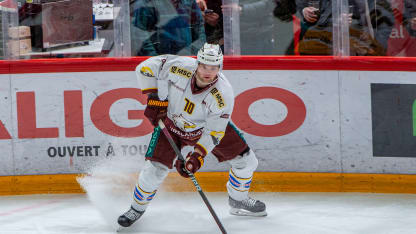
x: 181, y: 71
x: 218, y: 97
x: 146, y: 71
x: 179, y: 120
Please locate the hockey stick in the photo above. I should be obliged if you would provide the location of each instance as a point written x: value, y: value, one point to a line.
x: 191, y: 175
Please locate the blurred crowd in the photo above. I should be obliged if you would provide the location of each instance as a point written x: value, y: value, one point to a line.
x: 255, y: 27
x: 271, y: 27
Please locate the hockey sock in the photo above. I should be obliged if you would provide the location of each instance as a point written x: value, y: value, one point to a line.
x: 142, y: 198
x: 238, y: 187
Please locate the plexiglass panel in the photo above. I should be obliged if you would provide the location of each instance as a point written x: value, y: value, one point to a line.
x: 166, y: 27
x: 257, y: 34
x: 123, y: 28
x: 371, y: 23
x: 316, y: 37
x: 68, y: 28
x: 11, y: 37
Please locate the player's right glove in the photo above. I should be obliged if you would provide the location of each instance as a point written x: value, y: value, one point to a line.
x: 156, y: 109
x: 193, y: 163
x: 180, y: 167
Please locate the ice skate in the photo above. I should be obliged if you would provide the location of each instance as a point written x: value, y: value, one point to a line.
x: 247, y: 207
x: 128, y: 218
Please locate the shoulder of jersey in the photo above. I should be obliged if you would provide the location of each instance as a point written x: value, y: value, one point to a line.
x: 182, y: 66
x: 224, y: 85
x: 222, y: 92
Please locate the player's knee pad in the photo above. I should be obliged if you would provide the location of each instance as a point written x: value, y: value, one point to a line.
x: 152, y: 175
x: 244, y: 165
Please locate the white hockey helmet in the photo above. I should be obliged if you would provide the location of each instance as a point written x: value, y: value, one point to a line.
x: 210, y: 54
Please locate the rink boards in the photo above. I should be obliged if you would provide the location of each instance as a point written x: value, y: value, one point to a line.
x: 313, y: 116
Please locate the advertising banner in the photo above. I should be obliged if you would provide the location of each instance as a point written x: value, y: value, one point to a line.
x: 290, y: 118
x: 378, y: 122
x: 295, y: 121
x: 65, y: 122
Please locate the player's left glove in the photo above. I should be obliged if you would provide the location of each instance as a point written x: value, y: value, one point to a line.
x: 193, y: 163
x: 155, y: 110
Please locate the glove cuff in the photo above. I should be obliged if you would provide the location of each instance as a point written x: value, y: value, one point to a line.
x: 158, y: 103
x: 202, y: 149
x: 201, y: 160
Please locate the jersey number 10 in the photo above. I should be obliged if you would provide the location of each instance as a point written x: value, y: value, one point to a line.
x: 189, y: 106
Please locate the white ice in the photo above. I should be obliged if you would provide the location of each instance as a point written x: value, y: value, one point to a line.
x: 172, y: 213
x: 109, y: 193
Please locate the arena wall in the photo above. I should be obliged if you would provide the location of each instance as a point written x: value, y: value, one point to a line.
x: 315, y: 123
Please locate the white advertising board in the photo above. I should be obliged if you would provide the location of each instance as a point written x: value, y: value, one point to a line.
x: 300, y: 121
x: 6, y: 156
x: 385, y: 99
x: 74, y: 112
x: 64, y: 122
x: 313, y: 145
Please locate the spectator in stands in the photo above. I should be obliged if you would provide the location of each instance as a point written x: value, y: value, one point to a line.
x: 166, y: 27
x: 316, y: 27
x: 409, y: 16
x: 212, y: 12
x: 285, y: 11
x: 256, y: 24
x: 370, y: 22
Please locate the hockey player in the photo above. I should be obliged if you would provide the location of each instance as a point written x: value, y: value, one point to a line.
x: 195, y: 101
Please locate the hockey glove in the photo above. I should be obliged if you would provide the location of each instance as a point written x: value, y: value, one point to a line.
x: 193, y: 163
x: 156, y: 110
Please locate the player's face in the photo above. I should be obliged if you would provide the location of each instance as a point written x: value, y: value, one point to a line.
x: 205, y: 74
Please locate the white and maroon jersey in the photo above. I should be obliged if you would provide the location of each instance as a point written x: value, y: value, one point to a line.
x: 194, y: 112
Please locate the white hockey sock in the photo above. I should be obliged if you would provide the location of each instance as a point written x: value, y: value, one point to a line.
x: 241, y: 174
x: 142, y: 198
x: 238, y: 187
x: 150, y: 179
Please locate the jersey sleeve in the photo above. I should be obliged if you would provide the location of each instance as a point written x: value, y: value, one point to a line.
x: 220, y: 104
x: 152, y: 75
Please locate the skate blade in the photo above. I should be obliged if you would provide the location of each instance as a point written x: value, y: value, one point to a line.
x: 241, y: 212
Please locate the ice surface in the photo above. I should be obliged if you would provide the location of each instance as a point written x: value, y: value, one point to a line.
x: 109, y: 189
x: 171, y: 213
